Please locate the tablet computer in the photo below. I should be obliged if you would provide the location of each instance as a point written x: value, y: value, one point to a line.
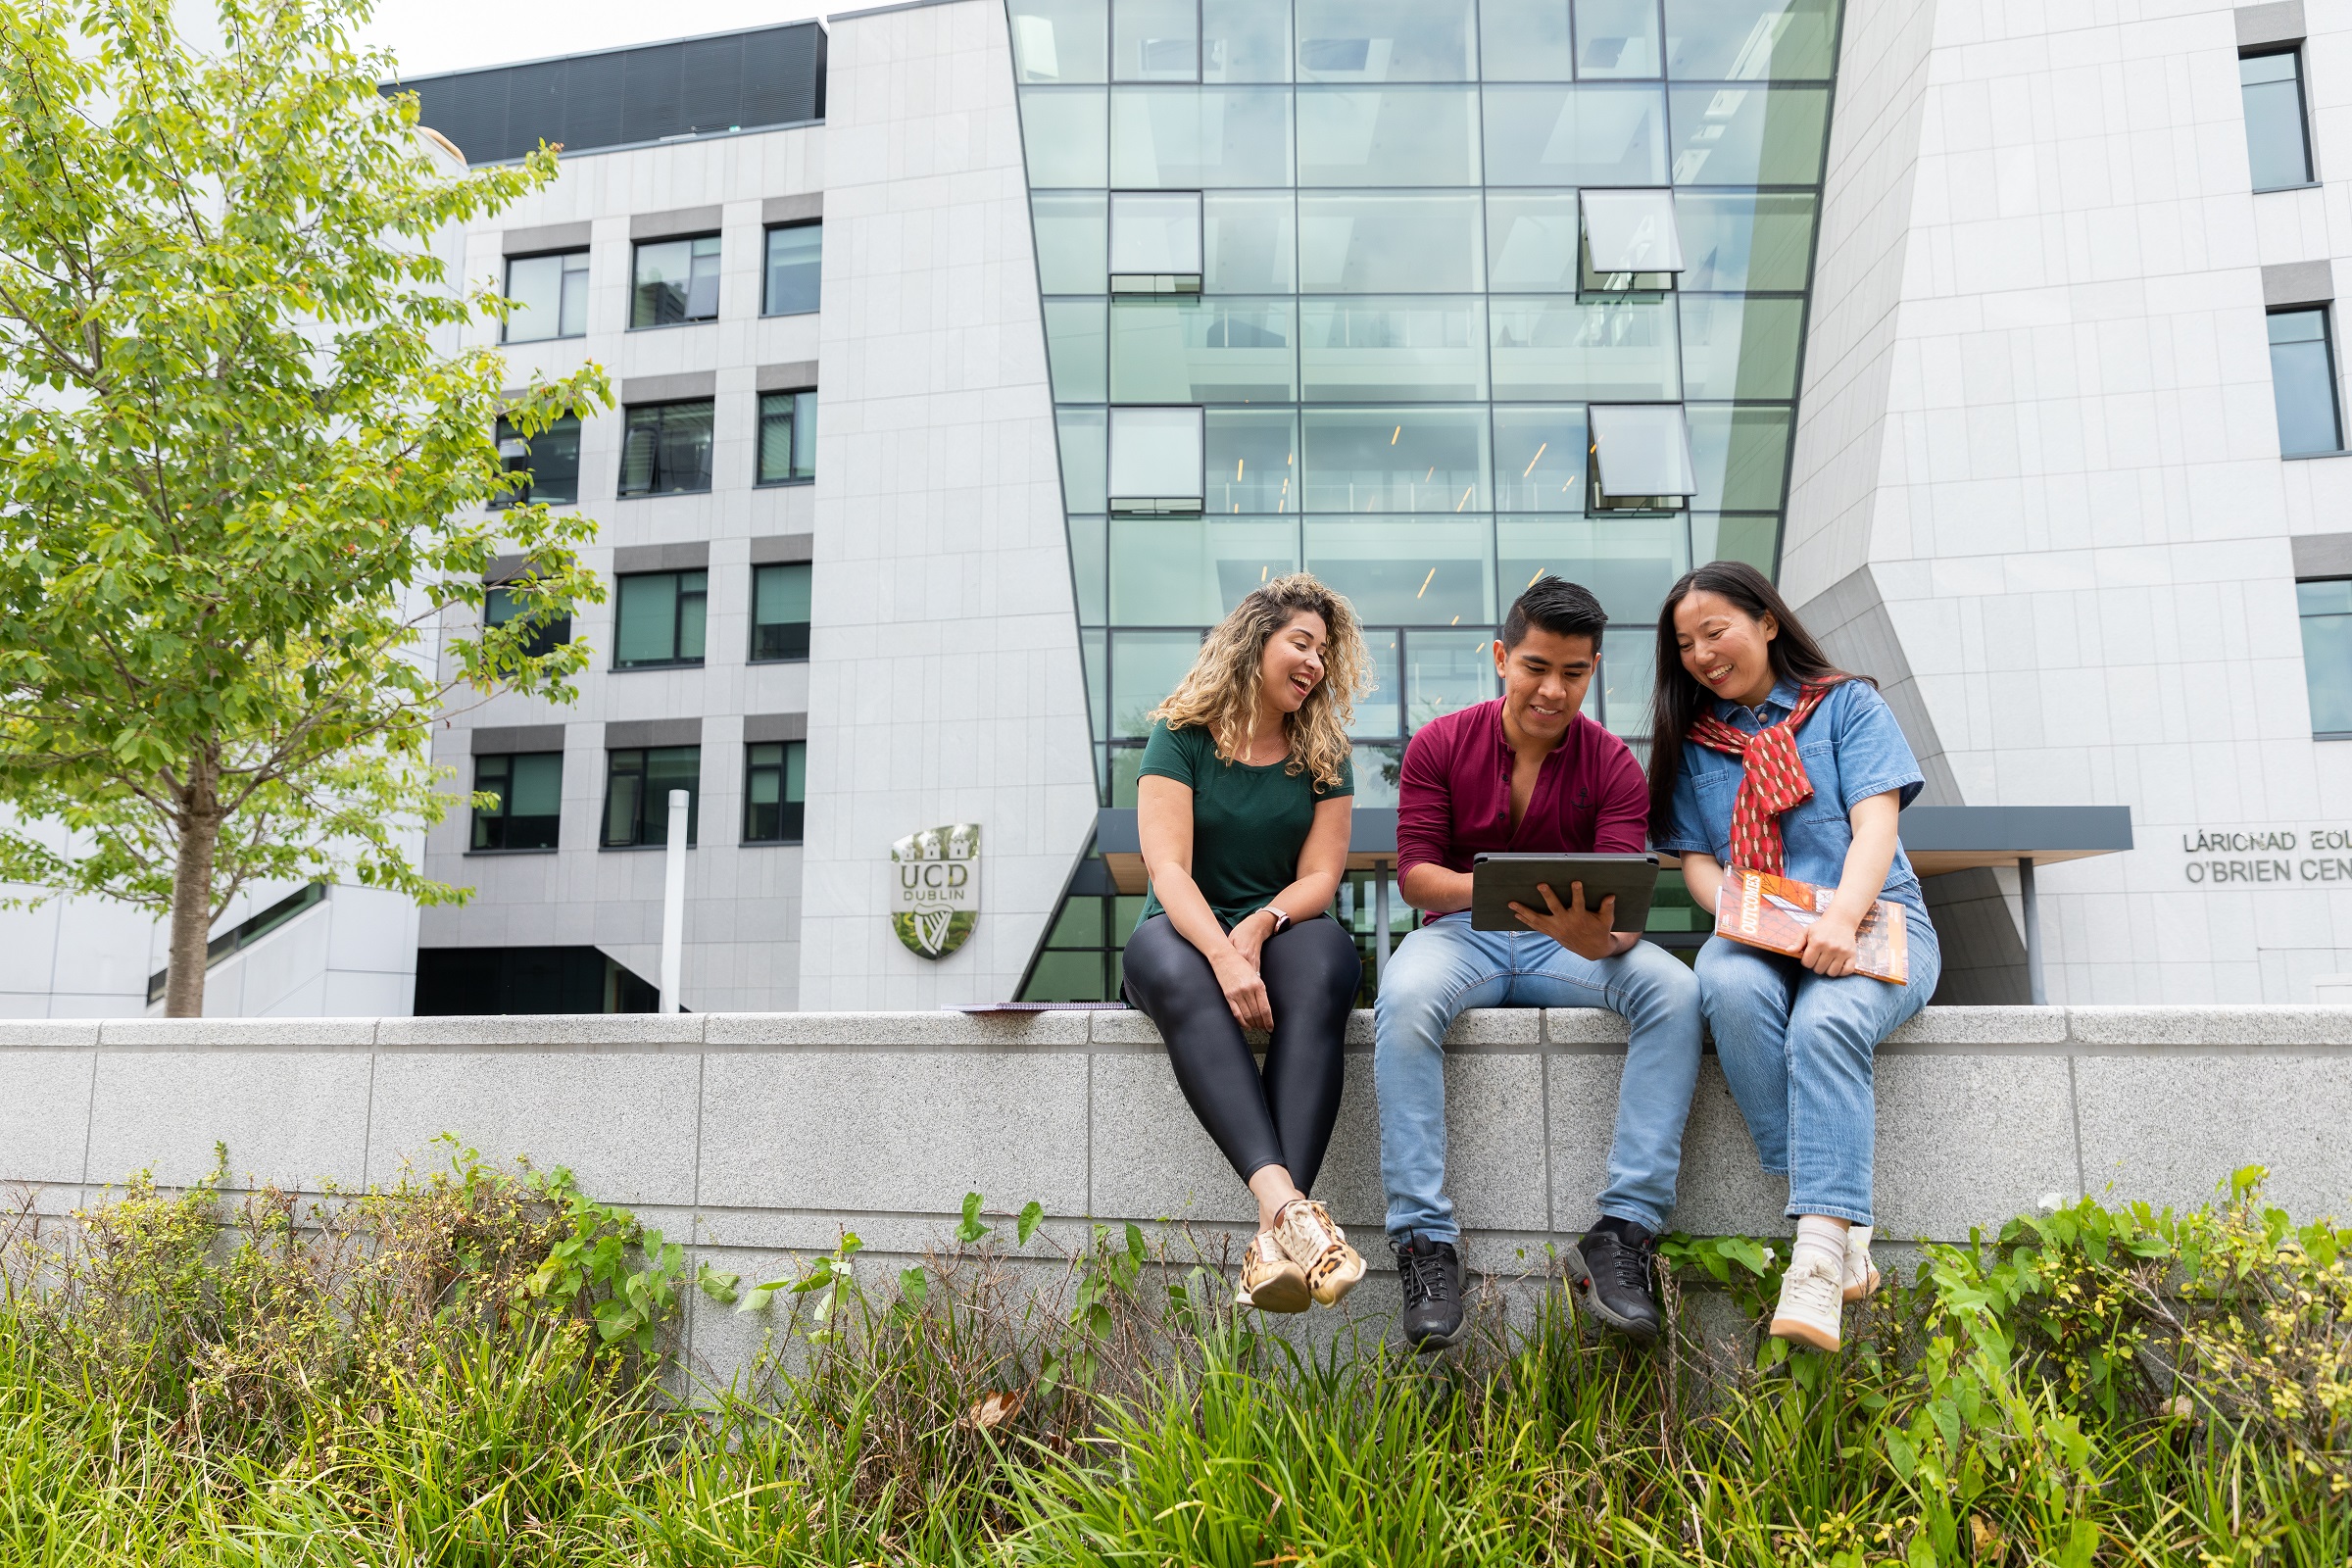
x: 1497, y: 881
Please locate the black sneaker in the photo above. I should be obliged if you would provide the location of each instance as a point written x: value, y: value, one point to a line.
x: 1433, y: 1293
x: 1609, y: 1269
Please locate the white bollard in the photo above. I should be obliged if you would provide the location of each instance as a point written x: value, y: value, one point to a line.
x: 673, y: 901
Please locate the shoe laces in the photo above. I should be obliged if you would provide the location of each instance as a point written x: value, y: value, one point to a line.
x: 1815, y: 1289
x: 1426, y: 1278
x: 1632, y: 1258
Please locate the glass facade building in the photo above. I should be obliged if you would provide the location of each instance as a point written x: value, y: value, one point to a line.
x: 1427, y: 296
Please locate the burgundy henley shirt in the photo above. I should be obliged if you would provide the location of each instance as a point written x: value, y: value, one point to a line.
x: 1454, y: 798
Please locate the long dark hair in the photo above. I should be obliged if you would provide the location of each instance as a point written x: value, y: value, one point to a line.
x: 1678, y: 700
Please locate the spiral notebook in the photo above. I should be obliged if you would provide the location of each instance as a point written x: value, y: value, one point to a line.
x: 1772, y: 912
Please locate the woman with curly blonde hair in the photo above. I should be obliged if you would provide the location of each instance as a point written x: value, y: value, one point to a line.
x: 1242, y: 807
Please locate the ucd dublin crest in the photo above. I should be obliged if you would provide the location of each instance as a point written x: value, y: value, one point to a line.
x: 937, y: 899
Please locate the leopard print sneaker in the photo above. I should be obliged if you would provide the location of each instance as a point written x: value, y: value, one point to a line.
x: 1270, y: 1281
x: 1315, y: 1243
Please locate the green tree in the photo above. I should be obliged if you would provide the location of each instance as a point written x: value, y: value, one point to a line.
x: 243, y: 462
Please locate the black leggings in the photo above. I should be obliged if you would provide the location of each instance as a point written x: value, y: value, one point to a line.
x: 1282, y: 1116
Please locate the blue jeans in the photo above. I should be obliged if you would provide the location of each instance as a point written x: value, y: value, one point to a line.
x: 1444, y: 967
x: 1796, y: 1050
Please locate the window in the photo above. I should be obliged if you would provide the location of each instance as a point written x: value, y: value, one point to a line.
x: 1631, y: 244
x: 2277, y: 142
x: 1156, y: 242
x: 2326, y: 607
x: 637, y: 786
x: 1641, y: 458
x: 1155, y: 40
x: 775, y: 788
x: 665, y: 449
x: 1156, y: 461
x: 501, y: 605
x: 794, y: 254
x: 780, y: 611
x: 550, y: 295
x: 2303, y: 379
x: 677, y: 281
x: 550, y: 461
x: 661, y: 619
x: 787, y: 437
x: 529, y: 787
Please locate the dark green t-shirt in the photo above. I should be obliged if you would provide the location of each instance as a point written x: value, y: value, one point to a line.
x: 1248, y: 823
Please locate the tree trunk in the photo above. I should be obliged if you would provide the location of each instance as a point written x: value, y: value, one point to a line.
x: 192, y: 900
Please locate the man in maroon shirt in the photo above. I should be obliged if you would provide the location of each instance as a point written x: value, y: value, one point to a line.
x: 1528, y: 772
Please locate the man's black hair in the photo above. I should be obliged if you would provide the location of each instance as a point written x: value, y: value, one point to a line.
x: 1558, y: 606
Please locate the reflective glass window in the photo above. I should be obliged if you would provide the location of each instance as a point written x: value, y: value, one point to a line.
x: 1252, y: 461
x: 1072, y: 235
x: 2277, y: 140
x: 1388, y: 136
x: 1155, y: 459
x: 505, y: 603
x: 1155, y: 40
x: 676, y: 280
x: 1629, y: 664
x: 1742, y: 241
x: 780, y: 610
x: 1447, y: 671
x: 2303, y: 376
x: 1600, y: 134
x: 550, y: 295
x: 1630, y: 230
x: 1425, y: 571
x: 1196, y: 138
x: 550, y: 461
x: 1616, y: 38
x: 637, y: 786
x: 1395, y: 459
x: 1155, y: 233
x: 2327, y: 615
x: 665, y: 449
x: 787, y: 437
x: 1524, y: 40
x: 1249, y: 242
x: 1077, y: 352
x: 795, y: 269
x: 1066, y: 137
x: 1641, y: 449
x: 1202, y: 350
x: 1192, y: 570
x: 1751, y: 40
x: 775, y: 791
x: 1089, y: 559
x: 1736, y: 347
x: 1729, y: 537
x: 1390, y: 242
x: 1244, y: 40
x: 1387, y: 41
x: 1145, y: 667
x: 1628, y: 562
x: 1060, y: 40
x: 1742, y: 456
x: 528, y: 809
x: 1083, y: 480
x: 1531, y: 241
x: 1554, y: 346
x: 1540, y: 459
x: 1093, y: 652
x: 1379, y: 712
x: 1392, y: 348
x: 1750, y: 135
x: 659, y: 618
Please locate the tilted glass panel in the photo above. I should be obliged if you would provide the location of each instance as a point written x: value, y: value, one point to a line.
x: 1203, y: 351
x: 1735, y: 240
x: 1066, y: 137
x: 1388, y: 136
x: 1540, y: 459
x: 1628, y: 562
x: 1641, y: 449
x: 624, y: 794
x: 1072, y: 235
x: 1751, y: 40
x: 1251, y: 242
x: 1736, y: 347
x: 1192, y: 570
x: 2303, y: 377
x: 1742, y: 456
x: 803, y: 435
x: 1524, y: 40
x: 1198, y: 138
x: 2278, y: 145
x: 1447, y: 671
x: 1750, y: 135
x: 1082, y: 458
x: 1383, y: 349
x: 1155, y: 232
x: 1554, y: 347
x: 1532, y: 241
x: 1379, y: 713
x: 1616, y: 38
x: 1395, y: 459
x: 1253, y: 460
x: 1077, y: 349
x: 1600, y: 134
x: 1423, y: 571
x: 1155, y: 457
x: 1060, y: 40
x: 1632, y: 231
x: 1145, y: 667
x: 2326, y: 616
x: 1387, y: 41
x: 1244, y: 40
x: 794, y: 270
x: 1726, y: 536
x: 1155, y: 40
x: 1383, y: 243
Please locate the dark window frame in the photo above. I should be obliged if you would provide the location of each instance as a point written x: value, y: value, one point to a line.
x: 2324, y: 310
x: 791, y: 815
x: 545, y: 641
x: 2311, y: 171
x: 502, y: 819
x: 503, y: 432
x: 767, y: 303
x: 793, y: 474
x: 631, y: 426
x: 678, y: 619
x: 635, y: 762
x: 637, y: 286
x: 791, y: 646
x: 562, y: 287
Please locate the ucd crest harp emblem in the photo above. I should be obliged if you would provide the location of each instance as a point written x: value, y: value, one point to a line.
x: 935, y: 902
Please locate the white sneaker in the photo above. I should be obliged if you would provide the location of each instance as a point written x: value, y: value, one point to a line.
x: 1812, y: 1304
x: 1861, y: 1274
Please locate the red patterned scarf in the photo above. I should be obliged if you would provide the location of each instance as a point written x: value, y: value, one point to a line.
x: 1774, y: 779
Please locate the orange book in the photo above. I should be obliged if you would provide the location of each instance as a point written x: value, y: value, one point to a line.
x: 1772, y: 912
